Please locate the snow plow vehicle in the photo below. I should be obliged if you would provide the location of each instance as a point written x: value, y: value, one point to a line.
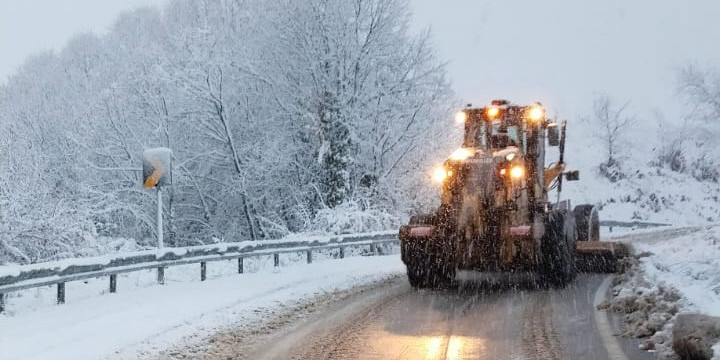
x: 495, y: 214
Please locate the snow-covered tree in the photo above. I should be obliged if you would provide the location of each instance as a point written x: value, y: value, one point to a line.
x: 700, y: 88
x: 281, y: 115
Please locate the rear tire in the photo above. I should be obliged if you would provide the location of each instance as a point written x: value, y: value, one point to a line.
x: 587, y: 222
x: 558, y: 249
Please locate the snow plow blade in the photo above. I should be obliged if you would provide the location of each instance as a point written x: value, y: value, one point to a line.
x: 600, y: 256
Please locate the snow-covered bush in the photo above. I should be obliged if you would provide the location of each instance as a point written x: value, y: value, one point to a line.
x: 352, y: 217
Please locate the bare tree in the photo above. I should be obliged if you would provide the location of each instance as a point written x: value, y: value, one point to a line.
x: 612, y: 124
x: 700, y: 88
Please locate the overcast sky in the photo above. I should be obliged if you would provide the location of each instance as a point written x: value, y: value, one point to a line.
x: 562, y: 52
x: 31, y: 26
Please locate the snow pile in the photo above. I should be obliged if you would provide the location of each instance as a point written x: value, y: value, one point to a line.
x: 674, y: 273
x: 690, y: 264
x: 646, y: 308
x: 694, y: 336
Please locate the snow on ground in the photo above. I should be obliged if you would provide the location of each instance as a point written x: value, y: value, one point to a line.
x: 690, y: 264
x: 650, y: 194
x: 147, y: 319
x: 682, y: 259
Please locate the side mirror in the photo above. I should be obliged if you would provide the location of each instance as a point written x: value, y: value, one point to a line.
x: 572, y: 175
x: 553, y: 134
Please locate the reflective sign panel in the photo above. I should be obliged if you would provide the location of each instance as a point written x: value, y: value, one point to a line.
x: 156, y: 167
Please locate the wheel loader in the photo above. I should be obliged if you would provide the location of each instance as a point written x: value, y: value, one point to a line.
x: 495, y: 214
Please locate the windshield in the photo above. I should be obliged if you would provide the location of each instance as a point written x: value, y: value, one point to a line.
x: 499, y: 136
x: 502, y: 136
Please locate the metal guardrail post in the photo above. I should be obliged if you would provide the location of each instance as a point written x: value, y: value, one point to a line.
x: 342, y: 252
x: 241, y: 266
x: 2, y: 303
x: 61, y: 293
x: 203, y: 271
x: 113, y: 283
x: 276, y: 259
x: 373, y: 249
x: 161, y: 275
x: 309, y: 256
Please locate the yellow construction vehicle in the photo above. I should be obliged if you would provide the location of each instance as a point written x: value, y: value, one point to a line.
x: 495, y: 214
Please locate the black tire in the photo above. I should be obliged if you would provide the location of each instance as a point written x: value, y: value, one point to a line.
x: 558, y: 249
x: 416, y: 277
x: 421, y: 277
x: 587, y: 221
x: 424, y: 271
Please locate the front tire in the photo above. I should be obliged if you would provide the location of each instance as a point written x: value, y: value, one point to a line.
x: 558, y: 249
x: 425, y: 271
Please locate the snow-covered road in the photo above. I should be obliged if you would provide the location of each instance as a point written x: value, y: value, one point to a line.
x: 187, y: 318
x: 143, y: 322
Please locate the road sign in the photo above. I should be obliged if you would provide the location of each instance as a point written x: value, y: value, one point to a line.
x: 157, y: 173
x: 157, y: 167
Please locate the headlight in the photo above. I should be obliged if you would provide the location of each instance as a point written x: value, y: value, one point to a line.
x: 492, y: 112
x: 440, y: 174
x: 517, y: 172
x: 461, y: 117
x: 536, y: 113
x: 461, y: 154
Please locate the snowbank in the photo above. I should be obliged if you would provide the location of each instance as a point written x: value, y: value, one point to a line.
x: 140, y: 321
x: 9, y: 273
x: 690, y: 264
x: 677, y: 272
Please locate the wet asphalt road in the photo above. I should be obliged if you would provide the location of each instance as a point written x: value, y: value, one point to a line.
x: 473, y: 322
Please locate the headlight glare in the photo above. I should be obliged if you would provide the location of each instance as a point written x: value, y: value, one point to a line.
x: 461, y: 117
x: 517, y: 172
x: 536, y: 113
x: 440, y: 174
x: 461, y: 154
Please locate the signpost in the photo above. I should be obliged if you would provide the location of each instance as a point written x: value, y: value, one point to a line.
x: 156, y: 174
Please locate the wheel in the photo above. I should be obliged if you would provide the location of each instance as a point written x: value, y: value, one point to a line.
x: 558, y: 248
x: 587, y: 222
x: 416, y: 277
x: 421, y: 277
x: 424, y: 271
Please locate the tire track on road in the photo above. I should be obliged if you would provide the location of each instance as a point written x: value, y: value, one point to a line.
x: 539, y: 338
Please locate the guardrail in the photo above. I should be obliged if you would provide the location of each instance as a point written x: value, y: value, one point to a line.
x: 633, y: 224
x: 60, y: 272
